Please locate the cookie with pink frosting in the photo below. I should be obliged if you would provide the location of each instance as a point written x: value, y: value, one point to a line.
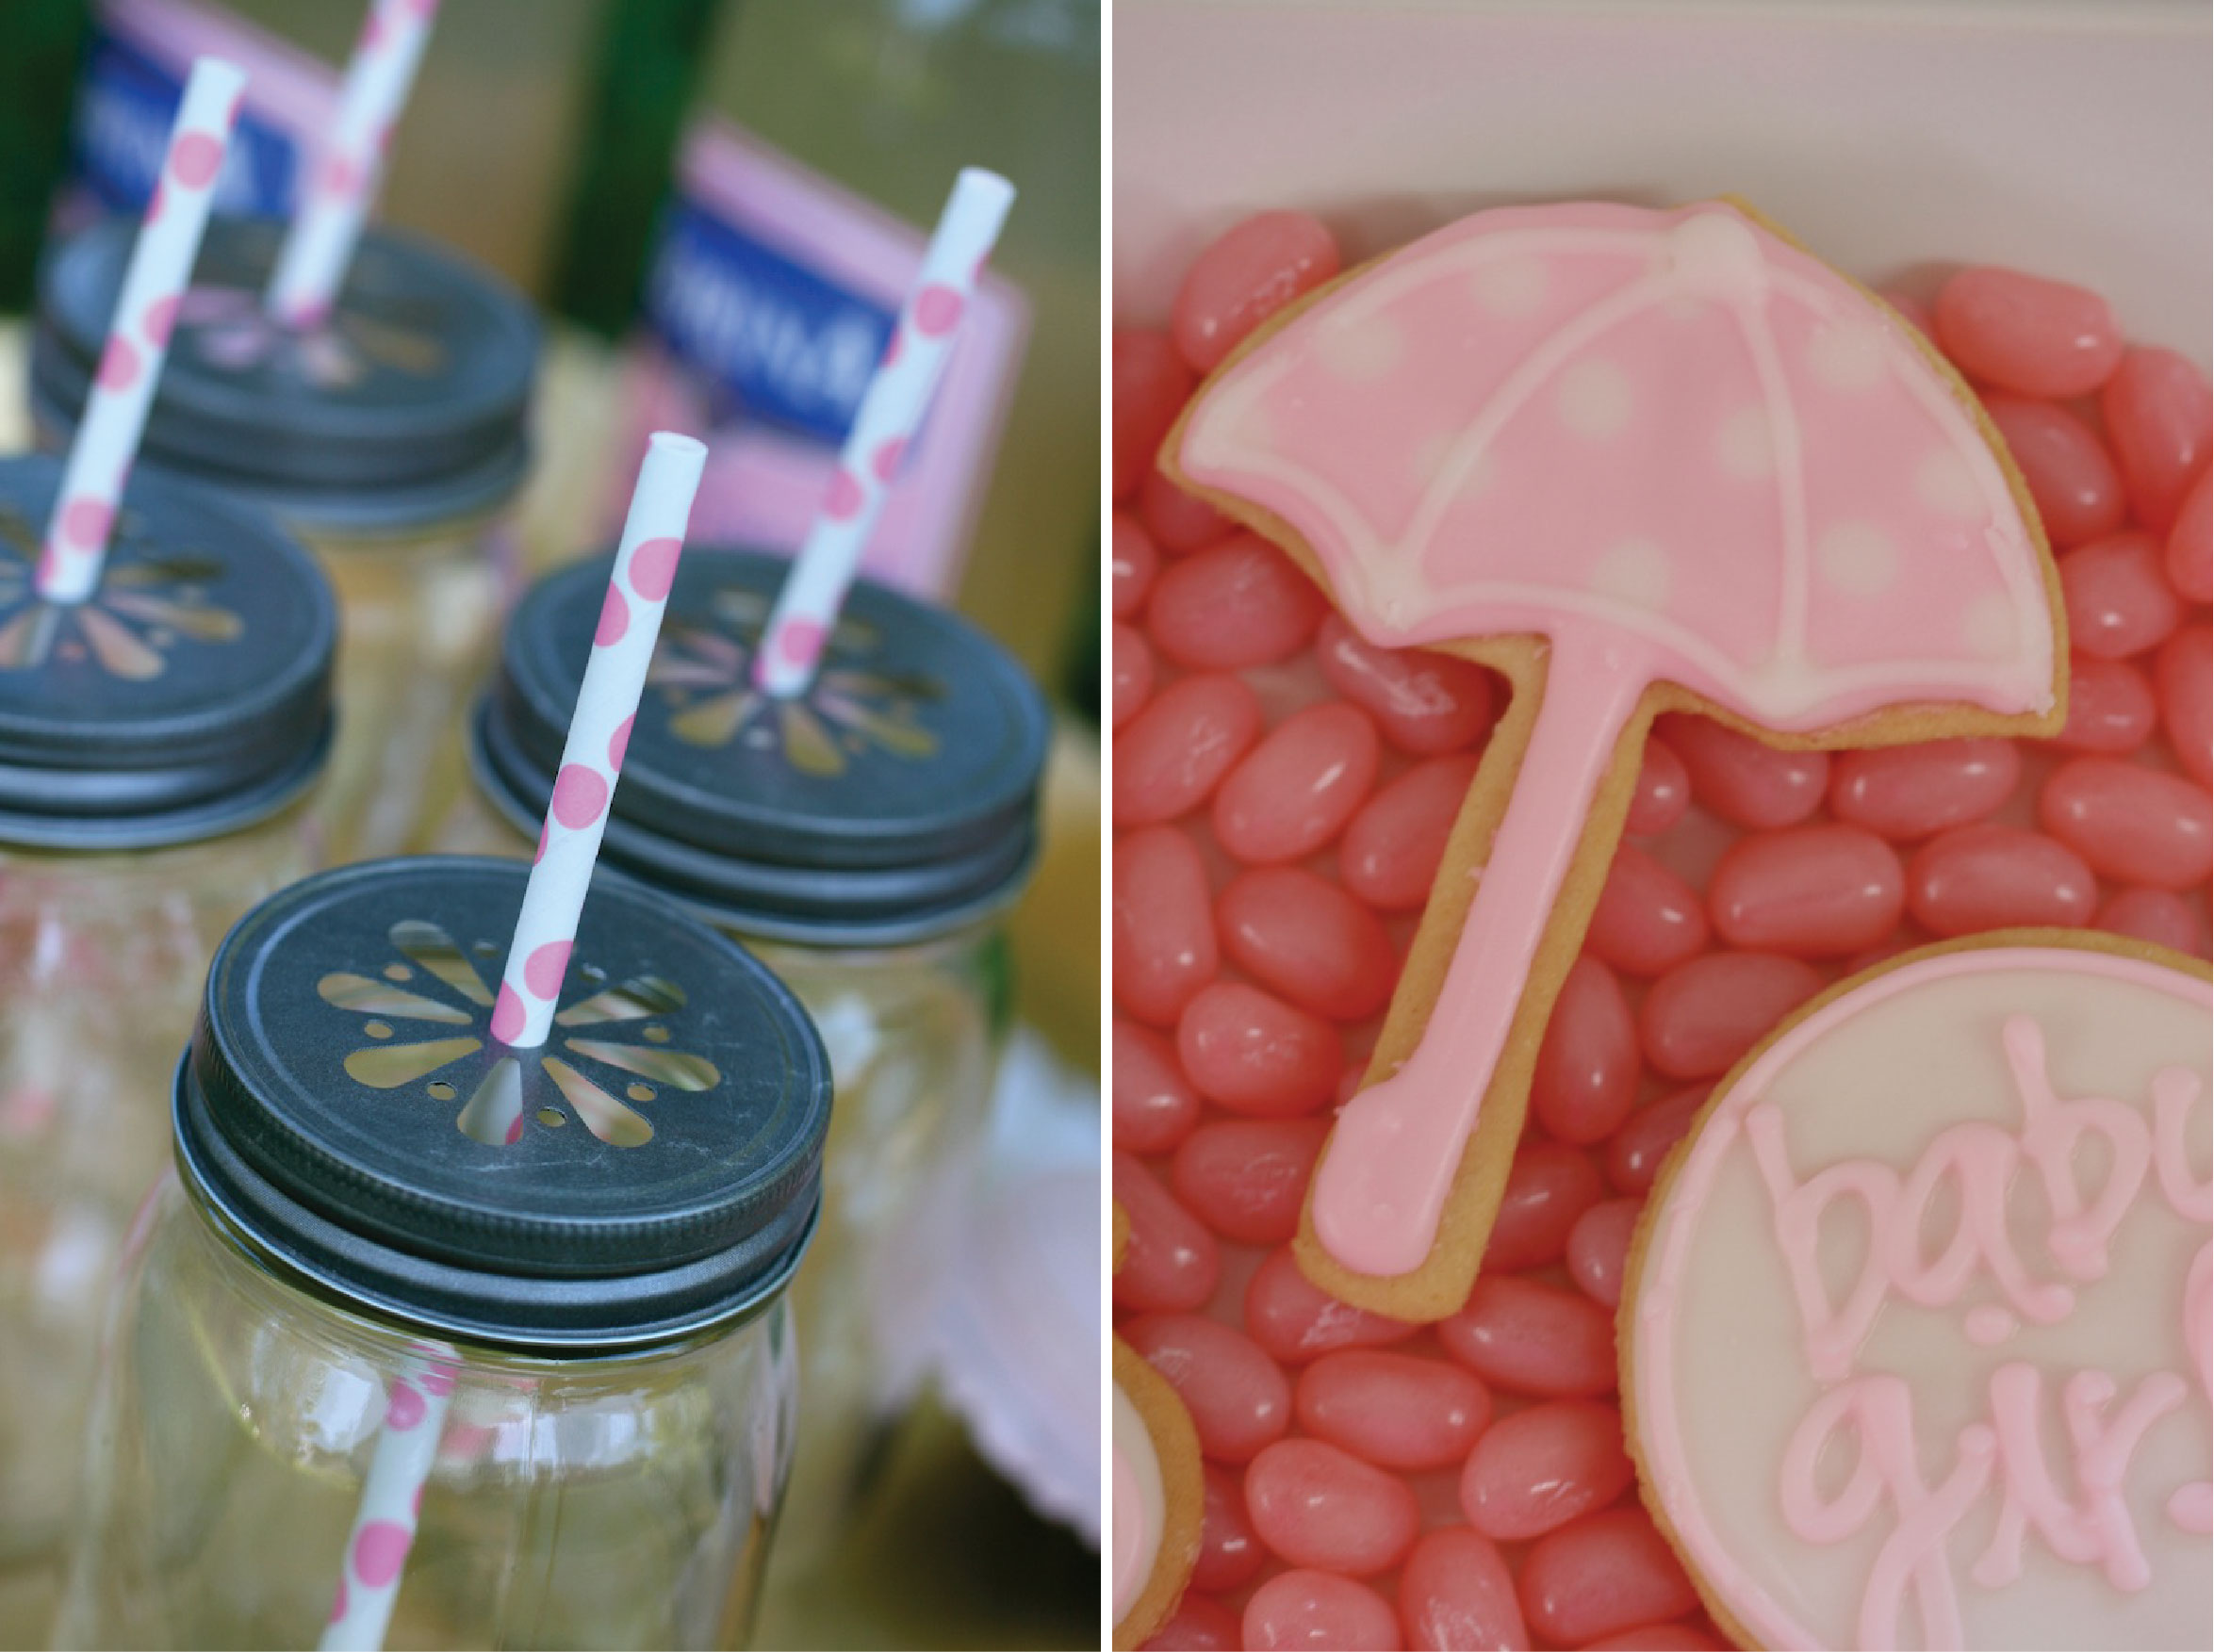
x: 1917, y: 1329
x: 1157, y: 1494
x: 1638, y: 462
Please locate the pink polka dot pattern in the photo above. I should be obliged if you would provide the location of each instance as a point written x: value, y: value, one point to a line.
x: 886, y: 463
x: 507, y: 1015
x: 194, y: 160
x: 119, y: 363
x: 86, y: 521
x: 339, y: 176
x: 614, y: 619
x: 404, y: 1408
x: 579, y: 795
x: 843, y: 501
x: 161, y: 319
x: 380, y: 1551
x: 938, y: 311
x: 653, y: 568
x: 802, y: 641
x: 542, y: 970
x: 618, y: 742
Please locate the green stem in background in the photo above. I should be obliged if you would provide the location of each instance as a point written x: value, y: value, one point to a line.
x: 648, y: 62
x: 41, y: 49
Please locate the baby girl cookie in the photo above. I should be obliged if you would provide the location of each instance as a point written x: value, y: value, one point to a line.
x: 1157, y: 1494
x: 1638, y: 462
x: 1917, y: 1328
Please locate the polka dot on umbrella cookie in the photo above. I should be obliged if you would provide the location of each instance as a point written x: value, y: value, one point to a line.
x: 1467, y: 1483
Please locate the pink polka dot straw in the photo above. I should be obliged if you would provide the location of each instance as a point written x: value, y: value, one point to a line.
x: 106, y: 439
x: 391, y: 1497
x: 891, y: 408
x: 342, y: 185
x: 599, y: 729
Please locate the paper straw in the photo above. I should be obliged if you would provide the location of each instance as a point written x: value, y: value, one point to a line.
x: 106, y: 439
x: 891, y: 409
x: 599, y: 729
x: 384, y: 1526
x: 311, y: 266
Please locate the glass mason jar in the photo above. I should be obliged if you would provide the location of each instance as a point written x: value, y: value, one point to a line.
x: 155, y: 745
x: 434, y: 1342
x: 390, y: 440
x: 861, y: 839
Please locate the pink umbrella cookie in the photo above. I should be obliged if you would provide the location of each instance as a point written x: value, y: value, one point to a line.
x: 1157, y: 1492
x: 1637, y: 461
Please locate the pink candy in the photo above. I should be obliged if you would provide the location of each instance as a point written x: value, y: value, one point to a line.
x: 2158, y: 416
x: 1701, y: 1018
x: 1305, y: 937
x: 1455, y: 1592
x: 1164, y: 931
x: 1132, y: 566
x: 1132, y: 667
x: 1663, y: 793
x: 1170, y: 1264
x: 1424, y: 703
x: 1244, y: 277
x: 1543, y: 1467
x: 1586, y: 1074
x: 1603, y: 1573
x: 2185, y: 671
x: 1995, y: 877
x: 1549, y: 1186
x: 1179, y: 522
x: 1297, y: 789
x: 1151, y: 383
x: 1230, y: 1553
x: 1743, y: 781
x: 1256, y: 1054
x: 1199, y: 1625
x: 1392, y: 847
x: 1635, y: 1155
x: 1532, y: 1338
x: 1813, y: 891
x: 1599, y: 1249
x: 1154, y: 1108
x: 1397, y: 1411
x: 2073, y: 485
x: 1246, y: 1178
x: 2129, y: 823
x: 1648, y: 920
x: 1169, y: 758
x: 1294, y: 1322
x: 1235, y: 604
x: 2156, y: 915
x: 1318, y: 1611
x: 1907, y: 793
x: 1238, y: 1400
x: 2119, y: 600
x: 1319, y: 1506
x: 2017, y: 332
x: 2110, y: 707
x: 2190, y: 544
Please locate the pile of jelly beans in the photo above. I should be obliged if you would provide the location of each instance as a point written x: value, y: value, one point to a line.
x: 1282, y: 794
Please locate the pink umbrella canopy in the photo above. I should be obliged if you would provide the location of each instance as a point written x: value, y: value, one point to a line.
x: 1641, y: 449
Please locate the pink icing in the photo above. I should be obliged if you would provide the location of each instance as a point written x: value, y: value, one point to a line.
x: 2002, y: 1478
x: 1130, y: 1537
x: 1678, y: 449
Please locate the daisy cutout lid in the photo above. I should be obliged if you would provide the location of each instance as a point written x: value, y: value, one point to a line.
x: 187, y: 697
x: 654, y: 1167
x: 409, y: 405
x: 893, y: 800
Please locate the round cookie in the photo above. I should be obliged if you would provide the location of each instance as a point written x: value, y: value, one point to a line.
x: 1916, y: 1330
x: 1157, y: 1494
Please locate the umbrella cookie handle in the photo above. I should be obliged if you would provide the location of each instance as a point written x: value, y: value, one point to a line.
x: 1408, y: 1184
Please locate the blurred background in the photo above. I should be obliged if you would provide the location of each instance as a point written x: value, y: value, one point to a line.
x: 711, y: 202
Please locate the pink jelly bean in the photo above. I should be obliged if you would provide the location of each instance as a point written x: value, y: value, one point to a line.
x: 1236, y: 604
x: 1394, y: 1410
x: 1456, y: 1594
x: 2190, y: 543
x: 1743, y: 781
x: 1295, y: 791
x: 1305, y: 937
x: 2185, y: 672
x: 1390, y: 853
x: 2119, y: 600
x: 1238, y: 1400
x: 1548, y: 1186
x: 1150, y: 385
x: 1230, y: 1552
x: 1170, y: 1264
x: 1318, y: 1612
x: 1247, y: 274
x: 2023, y: 333
x: 2161, y: 424
x: 1180, y: 522
x: 1700, y: 1017
x: 1132, y: 673
x: 1319, y: 1506
x: 1601, y: 1574
x: 1133, y: 565
x: 1663, y: 793
x: 1675, y: 1637
x: 1540, y: 1468
x: 2158, y: 915
x: 1199, y: 1624
x: 1813, y: 891
x: 2129, y: 823
x: 1648, y: 920
x: 1164, y: 932
x: 1532, y: 1338
x: 1245, y: 1178
x: 2073, y: 485
x: 1254, y: 1053
x: 1586, y: 1074
x: 1992, y: 876
x: 1910, y: 309
x: 2110, y: 707
x: 1294, y: 1322
x: 1154, y: 1108
x: 1907, y: 793
x: 1424, y: 703
x: 1643, y: 1144
x: 1170, y: 756
x: 1599, y: 1249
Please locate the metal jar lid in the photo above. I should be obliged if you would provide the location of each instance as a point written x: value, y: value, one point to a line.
x: 654, y: 1169
x: 187, y: 697
x: 409, y: 406
x: 895, y: 801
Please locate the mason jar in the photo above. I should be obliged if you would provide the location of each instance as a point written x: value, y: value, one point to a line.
x: 392, y: 440
x: 430, y: 1342
x: 862, y: 840
x: 156, y: 743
